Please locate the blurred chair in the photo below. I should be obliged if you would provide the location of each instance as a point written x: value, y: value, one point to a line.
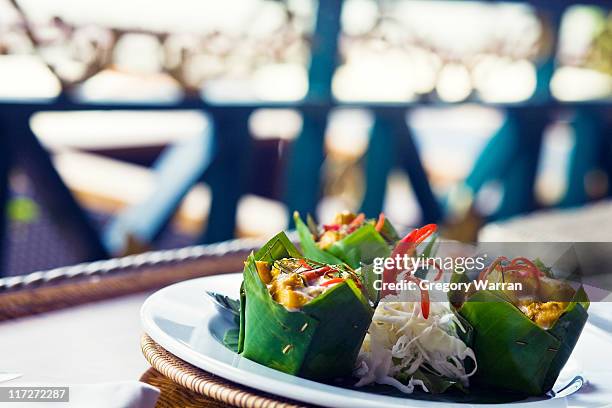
x: 176, y: 171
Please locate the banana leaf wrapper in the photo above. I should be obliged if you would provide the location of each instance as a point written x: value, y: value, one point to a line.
x: 514, y: 353
x: 320, y: 341
x: 361, y: 246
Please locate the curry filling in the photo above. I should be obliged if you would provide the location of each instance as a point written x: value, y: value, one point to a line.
x: 294, y: 282
x: 543, y: 299
x: 544, y: 314
x: 344, y: 223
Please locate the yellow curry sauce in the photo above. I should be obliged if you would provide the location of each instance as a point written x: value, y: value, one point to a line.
x: 294, y: 282
x: 544, y: 314
x: 543, y: 299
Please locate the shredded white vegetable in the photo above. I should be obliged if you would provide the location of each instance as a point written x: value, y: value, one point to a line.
x: 400, y: 341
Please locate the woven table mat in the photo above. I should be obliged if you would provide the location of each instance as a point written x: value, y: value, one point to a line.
x: 174, y: 395
x: 183, y: 385
x: 59, y: 288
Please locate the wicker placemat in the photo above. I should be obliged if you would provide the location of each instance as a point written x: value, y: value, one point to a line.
x: 183, y: 385
x: 68, y: 286
x: 174, y: 395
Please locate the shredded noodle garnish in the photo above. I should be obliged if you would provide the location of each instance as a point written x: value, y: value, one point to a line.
x: 400, y: 341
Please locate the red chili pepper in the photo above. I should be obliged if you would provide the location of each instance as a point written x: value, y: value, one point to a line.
x: 331, y: 227
x: 414, y: 238
x: 332, y: 281
x: 358, y: 220
x: 522, y: 265
x: 425, y: 302
x: 315, y: 273
x: 305, y: 264
x: 440, y: 271
x: 407, y: 245
x: 497, y: 262
x: 419, y: 235
x: 529, y: 266
x: 380, y: 223
x: 356, y: 223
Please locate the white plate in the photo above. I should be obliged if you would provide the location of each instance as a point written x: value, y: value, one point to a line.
x: 182, y: 320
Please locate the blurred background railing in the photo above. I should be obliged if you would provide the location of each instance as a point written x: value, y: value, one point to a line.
x: 126, y: 125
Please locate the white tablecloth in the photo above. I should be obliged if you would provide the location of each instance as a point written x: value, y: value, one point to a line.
x: 92, y: 348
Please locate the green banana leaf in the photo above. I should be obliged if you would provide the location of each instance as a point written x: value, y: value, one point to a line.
x: 369, y: 279
x: 321, y: 341
x: 513, y: 353
x: 230, y: 339
x: 361, y: 246
x: 389, y: 233
x: 309, y: 246
x: 567, y: 329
